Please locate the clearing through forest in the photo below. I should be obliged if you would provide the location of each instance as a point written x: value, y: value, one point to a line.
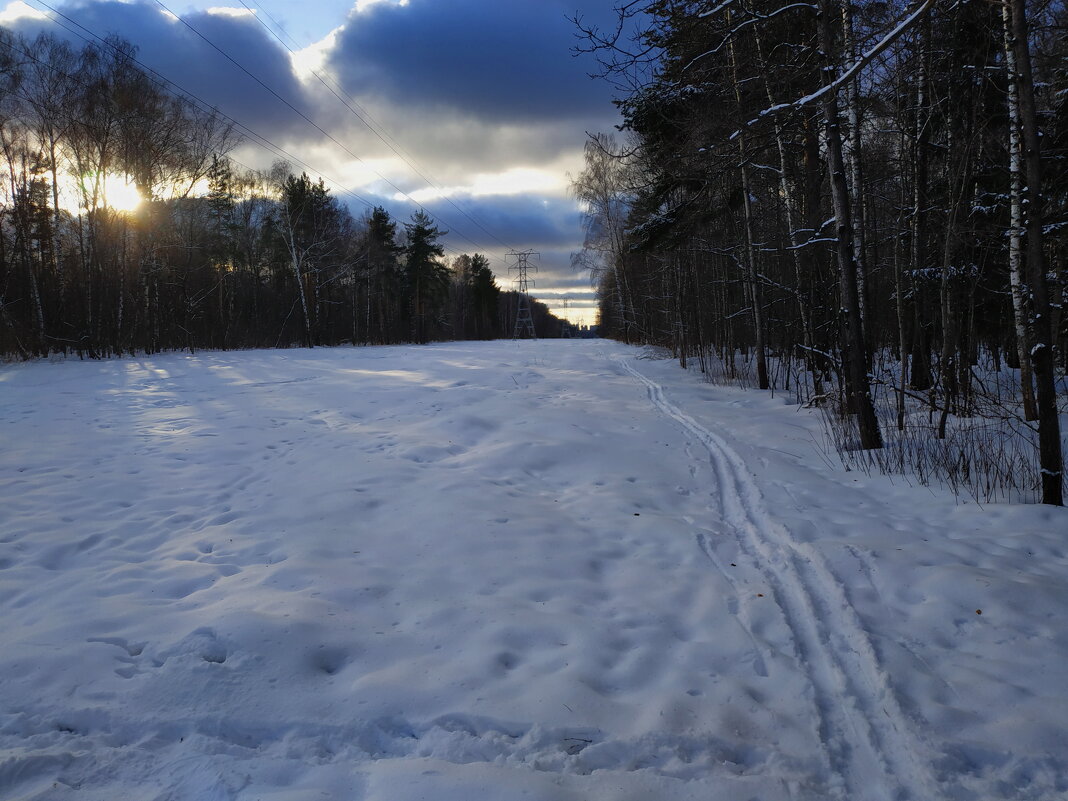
x: 538, y: 570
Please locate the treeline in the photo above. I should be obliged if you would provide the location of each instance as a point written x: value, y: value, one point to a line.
x: 876, y: 192
x: 124, y: 228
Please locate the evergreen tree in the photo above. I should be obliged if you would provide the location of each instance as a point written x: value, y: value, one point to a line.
x: 427, y: 277
x: 221, y: 204
x: 872, y: 191
x: 263, y: 258
x: 384, y: 281
x: 485, y: 296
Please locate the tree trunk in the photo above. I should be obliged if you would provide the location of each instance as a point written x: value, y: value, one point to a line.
x: 920, y: 375
x: 750, y: 252
x: 803, y: 273
x: 1016, y: 228
x: 853, y: 160
x: 899, y: 296
x: 57, y: 261
x: 298, y: 273
x: 854, y: 351
x: 1050, y: 458
x: 754, y: 285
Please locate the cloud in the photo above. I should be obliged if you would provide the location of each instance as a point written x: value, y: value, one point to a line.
x: 482, y: 95
x: 463, y: 85
x: 454, y: 146
x: 173, y: 49
x: 18, y: 12
x: 544, y: 224
x: 559, y: 279
x: 517, y: 221
x: 492, y: 61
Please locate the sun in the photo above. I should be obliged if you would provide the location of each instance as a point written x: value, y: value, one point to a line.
x: 120, y: 193
x: 114, y: 191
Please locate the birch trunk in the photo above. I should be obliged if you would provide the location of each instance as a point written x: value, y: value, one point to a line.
x: 853, y: 161
x: 750, y: 252
x: 1016, y: 227
x: 298, y: 273
x: 920, y: 375
x: 802, y: 270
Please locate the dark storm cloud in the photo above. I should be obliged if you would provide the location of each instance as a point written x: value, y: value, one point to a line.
x: 559, y: 279
x: 176, y: 52
x: 491, y: 60
x: 490, y: 83
x: 520, y: 221
x: 544, y: 223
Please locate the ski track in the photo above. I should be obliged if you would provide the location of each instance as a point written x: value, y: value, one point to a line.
x: 867, y: 737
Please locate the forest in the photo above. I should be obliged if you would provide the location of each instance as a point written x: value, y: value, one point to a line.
x: 126, y: 227
x: 865, y: 203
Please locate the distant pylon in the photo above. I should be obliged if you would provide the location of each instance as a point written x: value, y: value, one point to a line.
x: 524, y: 322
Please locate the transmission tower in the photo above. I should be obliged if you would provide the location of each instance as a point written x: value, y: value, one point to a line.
x: 524, y: 323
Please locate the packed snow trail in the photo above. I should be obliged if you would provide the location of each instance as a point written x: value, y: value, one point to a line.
x: 867, y: 736
x: 495, y: 570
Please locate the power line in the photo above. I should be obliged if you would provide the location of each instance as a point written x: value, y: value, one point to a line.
x: 361, y: 113
x: 78, y: 80
x: 365, y: 117
x: 304, y: 116
x: 257, y: 138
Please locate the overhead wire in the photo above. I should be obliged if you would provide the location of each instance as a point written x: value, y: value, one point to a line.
x: 365, y: 117
x: 257, y: 138
x: 360, y: 112
x: 306, y: 118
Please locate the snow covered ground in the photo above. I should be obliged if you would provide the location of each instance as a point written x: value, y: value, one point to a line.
x: 549, y: 571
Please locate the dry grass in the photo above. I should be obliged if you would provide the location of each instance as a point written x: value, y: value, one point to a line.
x: 991, y: 454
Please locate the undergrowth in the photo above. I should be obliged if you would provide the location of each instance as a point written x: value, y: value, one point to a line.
x: 989, y: 452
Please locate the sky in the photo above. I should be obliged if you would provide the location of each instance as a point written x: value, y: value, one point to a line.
x: 474, y: 110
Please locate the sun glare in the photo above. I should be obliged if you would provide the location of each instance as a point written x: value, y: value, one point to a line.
x: 116, y: 192
x: 120, y: 193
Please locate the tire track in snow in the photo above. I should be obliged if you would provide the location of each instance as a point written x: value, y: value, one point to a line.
x: 867, y: 735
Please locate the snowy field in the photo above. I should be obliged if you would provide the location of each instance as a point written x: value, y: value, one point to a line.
x: 549, y: 571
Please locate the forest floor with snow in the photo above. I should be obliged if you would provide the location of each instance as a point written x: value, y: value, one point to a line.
x: 551, y: 571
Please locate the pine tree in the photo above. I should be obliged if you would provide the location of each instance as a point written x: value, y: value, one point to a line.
x: 427, y: 277
x: 485, y: 295
x: 384, y: 282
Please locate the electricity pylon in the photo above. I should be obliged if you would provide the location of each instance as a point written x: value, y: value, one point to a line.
x: 524, y: 323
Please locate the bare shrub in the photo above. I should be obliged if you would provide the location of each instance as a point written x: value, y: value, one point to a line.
x: 989, y: 453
